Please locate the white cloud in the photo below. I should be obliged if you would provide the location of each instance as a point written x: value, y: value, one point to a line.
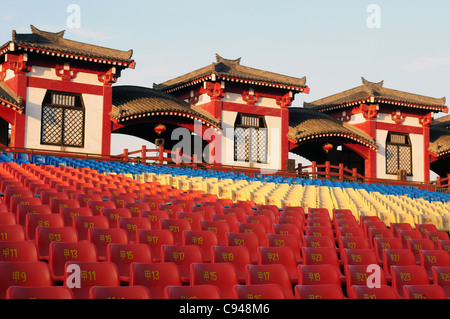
x: 426, y: 63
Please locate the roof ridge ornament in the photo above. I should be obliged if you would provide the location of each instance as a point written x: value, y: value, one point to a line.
x: 221, y: 59
x: 35, y: 30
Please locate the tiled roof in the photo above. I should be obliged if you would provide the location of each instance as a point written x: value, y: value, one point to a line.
x: 439, y: 140
x: 56, y: 43
x: 307, y: 124
x: 9, y: 98
x: 232, y: 70
x: 443, y: 121
x: 376, y: 93
x: 131, y: 102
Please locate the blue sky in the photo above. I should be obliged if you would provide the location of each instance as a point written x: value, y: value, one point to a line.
x: 327, y: 41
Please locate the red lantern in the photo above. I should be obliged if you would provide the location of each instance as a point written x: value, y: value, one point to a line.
x: 160, y: 128
x: 327, y: 147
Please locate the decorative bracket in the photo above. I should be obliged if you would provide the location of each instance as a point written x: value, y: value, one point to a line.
x: 398, y: 117
x: 213, y: 90
x: 426, y: 120
x: 109, y: 77
x: 285, y: 101
x: 369, y: 111
x: 65, y: 72
x: 251, y: 99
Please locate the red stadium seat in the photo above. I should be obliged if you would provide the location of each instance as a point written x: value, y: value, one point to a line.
x: 56, y: 204
x: 408, y: 275
x: 349, y: 232
x: 290, y: 221
x: 221, y: 228
x: 259, y: 291
x: 34, y: 273
x: 154, y: 216
x: 24, y: 209
x: 319, y: 241
x: 113, y: 215
x: 433, y: 258
x: 424, y: 228
x: 417, y: 245
x: 205, y: 239
x: 239, y: 256
x: 206, y: 211
x: 69, y: 212
x: 18, y: 251
x: 270, y: 274
x: 397, y: 227
x: 319, y: 231
x: 46, y: 293
x: 404, y: 235
x: 279, y: 255
x: 255, y: 228
x: 194, y: 219
x: 172, y: 210
x: 91, y: 274
x: 46, y: 235
x: 16, y: 201
x: 359, y: 275
x: 155, y: 238
x: 47, y: 195
x: 132, y: 224
x: 83, y: 223
x: 125, y: 254
x: 352, y: 243
x: 286, y: 240
x: 14, y: 191
x: 32, y: 221
x: 12, y: 233
x: 386, y: 243
x: 97, y: 205
x: 176, y: 226
x: 396, y: 257
x: 120, y: 200
x: 436, y: 236
x: 84, y: 198
x: 318, y: 292
x: 377, y: 230
x: 320, y: 256
x: 137, y: 208
x: 183, y: 257
x: 424, y: 292
x: 249, y: 240
x: 121, y: 292
x: 364, y: 292
x: 262, y: 219
x: 231, y: 219
x: 359, y: 257
x: 155, y: 277
x: 319, y: 222
x: 62, y: 252
x: 221, y: 275
x: 444, y: 245
x: 318, y: 275
x: 101, y: 237
x: 441, y: 277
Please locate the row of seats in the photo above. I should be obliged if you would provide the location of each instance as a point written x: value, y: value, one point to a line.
x: 306, y: 223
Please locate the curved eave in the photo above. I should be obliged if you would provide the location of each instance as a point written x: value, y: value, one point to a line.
x: 335, y: 135
x: 216, y: 77
x: 143, y: 115
x: 437, y: 108
x: 74, y: 56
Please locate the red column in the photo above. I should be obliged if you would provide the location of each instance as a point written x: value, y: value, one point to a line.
x: 106, y: 120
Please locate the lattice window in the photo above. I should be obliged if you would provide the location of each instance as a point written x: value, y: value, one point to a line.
x: 398, y: 153
x: 250, y: 139
x: 62, y: 120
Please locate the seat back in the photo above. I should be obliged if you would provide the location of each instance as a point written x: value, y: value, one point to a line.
x: 155, y: 238
x: 83, y: 223
x: 417, y: 245
x: 62, y: 252
x: 360, y: 274
x: 132, y: 224
x: 154, y: 216
x: 34, y: 273
x: 239, y: 256
x: 359, y: 257
x: 220, y: 227
x: 320, y: 255
x: 205, y: 239
x: 32, y: 221
x: 408, y: 275
x: 286, y: 240
x: 101, y: 237
x: 396, y: 257
x: 270, y: 274
x: 279, y: 255
x: 433, y: 292
x: 364, y: 292
x: 46, y: 235
x: 91, y: 274
x: 123, y: 255
x: 18, y: 251
x: 433, y: 258
x: 183, y: 257
x: 12, y: 233
x: 176, y: 226
x: 69, y: 212
x: 155, y: 277
x: 249, y: 240
x: 221, y: 275
x: 113, y: 215
x: 386, y: 243
x: 256, y: 228
x: 318, y: 275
